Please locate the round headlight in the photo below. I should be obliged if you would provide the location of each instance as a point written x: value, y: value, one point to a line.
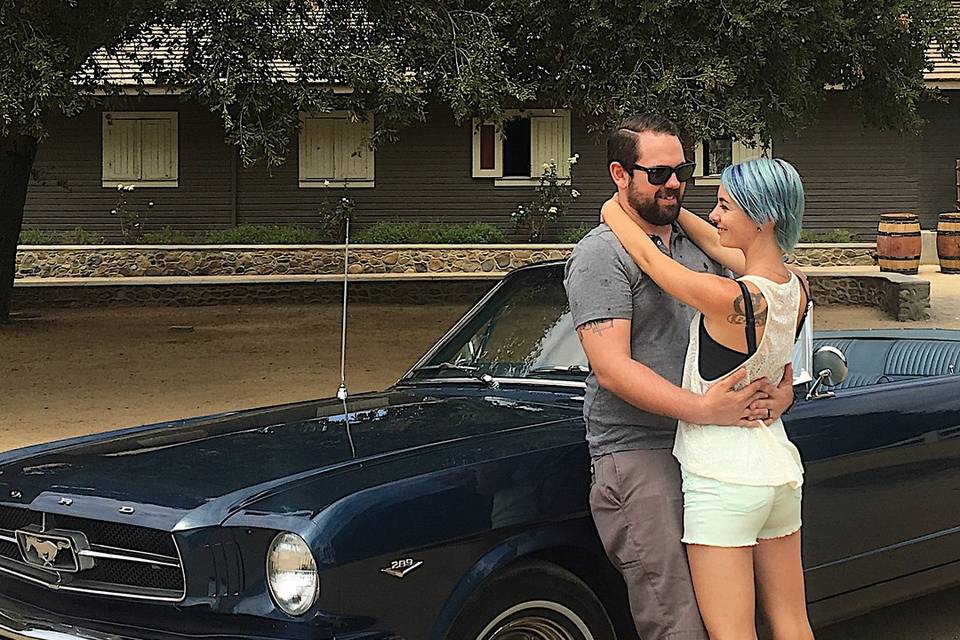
x: 292, y: 574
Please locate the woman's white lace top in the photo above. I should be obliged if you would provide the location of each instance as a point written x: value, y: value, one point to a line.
x: 762, y: 455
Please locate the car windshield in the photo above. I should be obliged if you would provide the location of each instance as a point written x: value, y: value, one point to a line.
x: 523, y: 331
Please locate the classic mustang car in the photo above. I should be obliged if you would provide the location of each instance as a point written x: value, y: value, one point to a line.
x: 454, y: 504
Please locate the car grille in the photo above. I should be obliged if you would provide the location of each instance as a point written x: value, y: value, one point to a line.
x: 128, y: 561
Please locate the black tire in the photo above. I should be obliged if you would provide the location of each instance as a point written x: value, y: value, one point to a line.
x: 533, y: 600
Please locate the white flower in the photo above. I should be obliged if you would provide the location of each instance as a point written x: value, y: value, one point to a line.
x: 113, y: 212
x: 129, y: 187
x: 552, y: 210
x: 574, y: 193
x: 326, y: 183
x: 119, y: 187
x: 572, y: 160
x: 546, y: 166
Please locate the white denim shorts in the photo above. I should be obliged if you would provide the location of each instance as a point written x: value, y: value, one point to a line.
x: 723, y: 514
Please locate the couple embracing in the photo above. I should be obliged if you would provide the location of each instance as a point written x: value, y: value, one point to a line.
x: 696, y: 488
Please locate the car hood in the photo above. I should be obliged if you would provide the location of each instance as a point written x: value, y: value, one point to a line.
x: 229, y: 459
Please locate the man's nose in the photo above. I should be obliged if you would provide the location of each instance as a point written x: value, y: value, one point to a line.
x: 673, y: 182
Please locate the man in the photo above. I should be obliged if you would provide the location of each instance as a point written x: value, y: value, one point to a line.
x: 635, y: 337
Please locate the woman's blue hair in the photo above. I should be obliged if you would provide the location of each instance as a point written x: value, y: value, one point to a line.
x: 768, y: 190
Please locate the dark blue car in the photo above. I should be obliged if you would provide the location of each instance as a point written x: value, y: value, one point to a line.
x: 452, y: 505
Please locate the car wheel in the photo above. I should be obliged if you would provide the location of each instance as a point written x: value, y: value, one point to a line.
x: 533, y: 601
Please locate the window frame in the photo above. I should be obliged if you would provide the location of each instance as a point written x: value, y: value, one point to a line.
x: 170, y: 183
x: 334, y: 182
x: 499, y: 180
x: 741, y: 153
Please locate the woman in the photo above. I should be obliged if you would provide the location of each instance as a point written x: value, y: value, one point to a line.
x: 741, y: 485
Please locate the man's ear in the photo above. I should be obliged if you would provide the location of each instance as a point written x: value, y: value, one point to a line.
x: 619, y: 175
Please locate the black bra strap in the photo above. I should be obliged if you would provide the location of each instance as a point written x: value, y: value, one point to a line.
x: 806, y: 305
x: 751, y: 321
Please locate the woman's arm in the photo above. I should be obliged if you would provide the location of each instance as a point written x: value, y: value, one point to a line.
x: 711, y: 294
x: 705, y: 236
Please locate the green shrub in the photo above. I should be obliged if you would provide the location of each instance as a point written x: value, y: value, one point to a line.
x: 263, y: 234
x: 573, y: 235
x: 37, y: 236
x: 834, y: 235
x: 430, y: 233
x: 79, y: 236
x: 169, y: 235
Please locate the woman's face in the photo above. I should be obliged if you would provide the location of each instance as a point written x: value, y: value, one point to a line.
x: 735, y: 227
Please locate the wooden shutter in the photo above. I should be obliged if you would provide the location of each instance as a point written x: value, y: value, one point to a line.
x: 121, y: 150
x: 354, y: 158
x: 158, y: 149
x: 549, y: 141
x: 487, y: 150
x: 742, y: 153
x: 318, y: 149
x: 334, y: 148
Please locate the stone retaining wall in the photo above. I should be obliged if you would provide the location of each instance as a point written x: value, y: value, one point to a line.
x: 901, y: 297
x: 137, y: 261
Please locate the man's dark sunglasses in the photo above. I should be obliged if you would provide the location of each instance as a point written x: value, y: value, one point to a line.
x: 660, y: 175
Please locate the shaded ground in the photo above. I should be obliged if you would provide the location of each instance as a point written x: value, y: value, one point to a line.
x: 69, y: 372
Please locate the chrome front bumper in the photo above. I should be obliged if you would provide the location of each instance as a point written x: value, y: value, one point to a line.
x: 15, y: 628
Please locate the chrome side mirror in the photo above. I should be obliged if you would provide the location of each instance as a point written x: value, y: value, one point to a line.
x: 831, y: 367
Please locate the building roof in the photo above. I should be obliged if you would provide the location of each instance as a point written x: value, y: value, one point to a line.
x: 122, y: 68
x: 945, y: 73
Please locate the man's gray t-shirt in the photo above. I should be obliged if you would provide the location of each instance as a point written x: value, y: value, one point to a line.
x: 603, y: 282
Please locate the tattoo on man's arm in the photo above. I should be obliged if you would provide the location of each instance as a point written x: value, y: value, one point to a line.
x: 739, y: 315
x: 596, y: 327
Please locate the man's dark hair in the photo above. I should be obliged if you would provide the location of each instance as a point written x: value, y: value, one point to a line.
x: 622, y: 141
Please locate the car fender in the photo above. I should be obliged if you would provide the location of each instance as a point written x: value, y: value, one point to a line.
x: 577, y: 534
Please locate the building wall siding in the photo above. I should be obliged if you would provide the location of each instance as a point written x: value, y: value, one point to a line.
x: 851, y: 174
x: 69, y: 194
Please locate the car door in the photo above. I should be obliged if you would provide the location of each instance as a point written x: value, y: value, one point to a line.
x: 882, y: 483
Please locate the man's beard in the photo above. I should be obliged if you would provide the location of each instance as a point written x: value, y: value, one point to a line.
x: 654, y: 213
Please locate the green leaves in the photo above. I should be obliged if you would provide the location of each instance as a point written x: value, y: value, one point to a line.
x: 717, y: 67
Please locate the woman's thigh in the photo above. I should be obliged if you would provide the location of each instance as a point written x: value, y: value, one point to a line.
x: 723, y: 580
x: 779, y: 574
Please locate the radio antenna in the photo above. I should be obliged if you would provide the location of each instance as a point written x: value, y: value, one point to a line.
x: 342, y: 393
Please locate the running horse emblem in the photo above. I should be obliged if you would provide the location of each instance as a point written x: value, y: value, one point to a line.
x: 46, y: 550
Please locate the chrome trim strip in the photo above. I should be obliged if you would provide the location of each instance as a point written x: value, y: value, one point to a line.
x: 60, y: 587
x: 528, y: 382
x: 135, y: 552
x: 9, y: 539
x: 115, y: 556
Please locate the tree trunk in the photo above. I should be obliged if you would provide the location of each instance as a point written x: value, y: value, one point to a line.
x: 16, y: 160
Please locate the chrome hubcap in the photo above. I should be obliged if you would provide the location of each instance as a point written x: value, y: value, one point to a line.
x: 532, y: 628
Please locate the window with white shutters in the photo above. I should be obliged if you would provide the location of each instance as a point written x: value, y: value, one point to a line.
x: 515, y: 152
x: 713, y: 156
x: 140, y: 148
x: 335, y: 151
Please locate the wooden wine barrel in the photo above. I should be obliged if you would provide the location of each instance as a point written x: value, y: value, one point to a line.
x: 898, y: 242
x: 948, y: 242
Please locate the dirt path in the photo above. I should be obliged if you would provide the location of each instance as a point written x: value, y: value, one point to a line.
x: 69, y: 372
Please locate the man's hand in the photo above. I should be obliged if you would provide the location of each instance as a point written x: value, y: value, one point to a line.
x: 722, y: 405
x: 779, y: 398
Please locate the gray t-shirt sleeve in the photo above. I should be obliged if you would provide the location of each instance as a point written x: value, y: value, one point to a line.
x: 597, y: 281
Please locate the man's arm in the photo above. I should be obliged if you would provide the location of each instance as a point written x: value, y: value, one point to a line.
x: 606, y: 343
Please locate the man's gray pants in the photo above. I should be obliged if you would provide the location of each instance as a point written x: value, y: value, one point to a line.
x: 637, y: 505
